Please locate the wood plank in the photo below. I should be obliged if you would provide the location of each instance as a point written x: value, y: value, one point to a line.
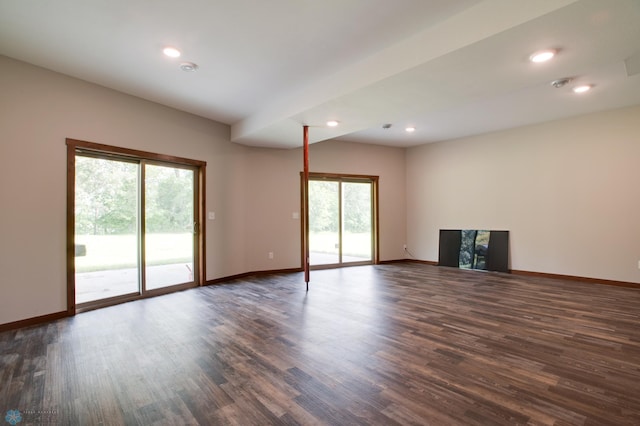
x: 391, y: 344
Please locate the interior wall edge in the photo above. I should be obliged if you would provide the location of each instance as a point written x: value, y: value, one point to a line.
x: 28, y: 322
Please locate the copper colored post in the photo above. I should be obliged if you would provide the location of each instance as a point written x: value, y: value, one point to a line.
x: 305, y: 239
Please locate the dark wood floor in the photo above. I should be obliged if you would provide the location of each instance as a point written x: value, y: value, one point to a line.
x: 389, y: 344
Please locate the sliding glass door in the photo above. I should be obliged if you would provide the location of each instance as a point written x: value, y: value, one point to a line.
x: 135, y: 227
x: 341, y: 220
x: 169, y: 225
x: 106, y: 228
x: 357, y: 221
x: 324, y: 222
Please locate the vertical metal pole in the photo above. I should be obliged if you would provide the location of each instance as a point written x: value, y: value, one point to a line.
x: 305, y: 131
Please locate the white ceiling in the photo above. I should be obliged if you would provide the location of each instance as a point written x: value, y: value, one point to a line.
x: 450, y: 68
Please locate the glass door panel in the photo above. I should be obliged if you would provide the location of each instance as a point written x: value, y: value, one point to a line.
x: 134, y: 224
x: 356, y: 222
x: 169, y: 225
x: 106, y: 228
x: 324, y: 222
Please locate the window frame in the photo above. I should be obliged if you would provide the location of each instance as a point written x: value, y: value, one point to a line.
x: 74, y: 147
x: 342, y: 177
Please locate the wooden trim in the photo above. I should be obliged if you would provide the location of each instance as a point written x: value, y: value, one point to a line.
x: 376, y: 221
x: 375, y: 205
x: 339, y: 265
x: 226, y: 279
x: 202, y: 224
x: 79, y: 145
x: 575, y: 278
x: 71, y: 226
x: 341, y: 176
x: 424, y: 262
x: 33, y: 321
x: 141, y: 231
x: 585, y: 280
x: 340, y: 225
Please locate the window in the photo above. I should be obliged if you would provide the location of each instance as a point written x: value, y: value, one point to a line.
x: 133, y: 224
x: 342, y: 220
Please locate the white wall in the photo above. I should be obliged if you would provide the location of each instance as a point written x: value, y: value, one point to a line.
x: 274, y: 195
x: 567, y: 190
x: 38, y: 110
x: 252, y: 191
x: 364, y: 159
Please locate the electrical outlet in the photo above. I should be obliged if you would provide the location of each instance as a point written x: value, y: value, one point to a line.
x: 270, y: 255
x: 404, y: 247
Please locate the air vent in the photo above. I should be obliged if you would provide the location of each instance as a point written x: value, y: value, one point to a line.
x: 188, y: 67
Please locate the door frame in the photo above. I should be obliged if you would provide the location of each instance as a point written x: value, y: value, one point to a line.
x: 341, y: 177
x: 74, y: 147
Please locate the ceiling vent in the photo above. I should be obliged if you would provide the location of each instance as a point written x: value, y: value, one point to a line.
x: 188, y: 67
x: 560, y: 82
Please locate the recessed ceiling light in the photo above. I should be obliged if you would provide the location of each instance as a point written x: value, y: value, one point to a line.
x: 410, y: 129
x: 171, y: 52
x: 542, y: 55
x: 332, y: 123
x: 188, y: 66
x: 582, y: 89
